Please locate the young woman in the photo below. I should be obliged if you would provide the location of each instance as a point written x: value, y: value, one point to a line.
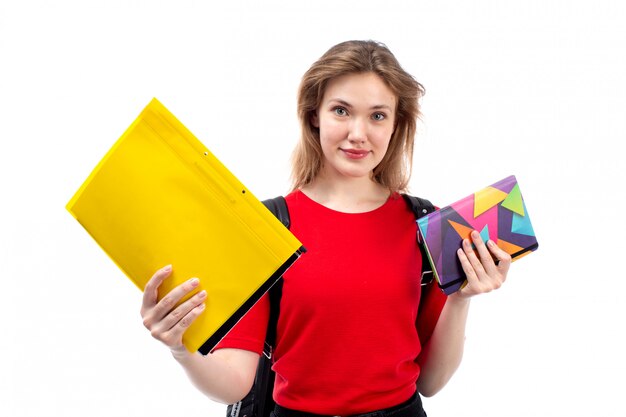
x: 349, y: 339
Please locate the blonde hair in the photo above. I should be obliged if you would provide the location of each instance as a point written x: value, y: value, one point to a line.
x: 394, y: 171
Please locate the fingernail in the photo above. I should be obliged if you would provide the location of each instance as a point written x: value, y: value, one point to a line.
x: 167, y: 268
x: 475, y: 235
x: 194, y: 282
x: 466, y: 242
x: 201, y: 307
x: 202, y: 294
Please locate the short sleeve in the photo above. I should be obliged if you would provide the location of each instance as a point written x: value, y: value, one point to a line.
x: 432, y: 301
x: 249, y: 332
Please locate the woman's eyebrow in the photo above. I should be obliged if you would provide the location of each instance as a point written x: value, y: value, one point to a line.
x: 348, y: 105
x: 381, y: 107
x: 339, y: 101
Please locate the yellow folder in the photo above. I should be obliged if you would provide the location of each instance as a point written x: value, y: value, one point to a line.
x: 158, y: 197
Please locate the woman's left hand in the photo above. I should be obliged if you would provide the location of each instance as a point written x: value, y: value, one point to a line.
x: 483, y: 273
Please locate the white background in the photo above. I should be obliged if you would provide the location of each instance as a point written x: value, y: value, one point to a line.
x: 531, y: 88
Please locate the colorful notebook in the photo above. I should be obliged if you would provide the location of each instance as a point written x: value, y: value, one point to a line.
x: 160, y: 197
x: 498, y: 212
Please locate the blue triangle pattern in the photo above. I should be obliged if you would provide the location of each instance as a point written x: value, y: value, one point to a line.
x: 522, y: 225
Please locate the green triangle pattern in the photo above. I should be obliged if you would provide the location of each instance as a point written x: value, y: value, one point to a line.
x: 514, y: 201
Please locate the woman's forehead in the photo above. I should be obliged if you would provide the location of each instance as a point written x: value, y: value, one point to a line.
x: 362, y: 89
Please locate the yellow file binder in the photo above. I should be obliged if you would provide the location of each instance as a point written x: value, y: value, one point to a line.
x: 158, y: 197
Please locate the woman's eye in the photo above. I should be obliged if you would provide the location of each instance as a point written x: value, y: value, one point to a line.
x: 340, y: 111
x: 378, y: 116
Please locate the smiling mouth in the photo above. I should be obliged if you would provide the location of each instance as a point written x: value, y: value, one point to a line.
x: 355, y: 153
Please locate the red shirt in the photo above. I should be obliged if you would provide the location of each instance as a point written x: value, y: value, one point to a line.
x: 347, y: 339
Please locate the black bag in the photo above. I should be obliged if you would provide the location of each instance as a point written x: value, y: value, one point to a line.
x: 259, y: 401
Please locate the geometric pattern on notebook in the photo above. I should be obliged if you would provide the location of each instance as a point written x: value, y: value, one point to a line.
x: 497, y: 212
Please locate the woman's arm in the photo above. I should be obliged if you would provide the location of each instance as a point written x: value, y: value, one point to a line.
x: 225, y: 375
x: 442, y: 355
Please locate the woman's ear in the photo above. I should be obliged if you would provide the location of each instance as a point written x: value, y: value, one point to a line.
x: 314, y: 119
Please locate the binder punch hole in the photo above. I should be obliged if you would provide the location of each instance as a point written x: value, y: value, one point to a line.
x: 243, y: 191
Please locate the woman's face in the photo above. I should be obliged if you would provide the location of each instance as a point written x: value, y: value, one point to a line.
x: 356, y: 119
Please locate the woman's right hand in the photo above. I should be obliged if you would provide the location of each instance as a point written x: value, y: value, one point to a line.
x: 166, y: 321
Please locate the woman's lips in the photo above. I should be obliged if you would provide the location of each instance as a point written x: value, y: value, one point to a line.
x: 355, y: 153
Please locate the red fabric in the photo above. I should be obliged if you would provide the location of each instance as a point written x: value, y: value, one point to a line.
x: 347, y: 338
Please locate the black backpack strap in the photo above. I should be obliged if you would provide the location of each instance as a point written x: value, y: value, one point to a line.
x: 259, y: 401
x: 421, y: 207
x: 278, y: 206
x: 264, y: 380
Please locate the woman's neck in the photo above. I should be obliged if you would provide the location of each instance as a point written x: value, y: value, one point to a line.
x: 348, y: 195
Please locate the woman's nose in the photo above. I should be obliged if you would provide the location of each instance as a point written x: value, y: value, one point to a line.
x: 358, y: 131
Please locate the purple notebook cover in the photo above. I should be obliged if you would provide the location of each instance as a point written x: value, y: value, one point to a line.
x: 498, y: 212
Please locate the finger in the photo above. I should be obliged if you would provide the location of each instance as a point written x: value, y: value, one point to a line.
x: 489, y: 264
x: 484, y: 254
x: 473, y: 259
x: 173, y: 337
x: 171, y: 299
x: 468, y: 269
x: 178, y: 314
x: 503, y: 257
x: 151, y: 290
